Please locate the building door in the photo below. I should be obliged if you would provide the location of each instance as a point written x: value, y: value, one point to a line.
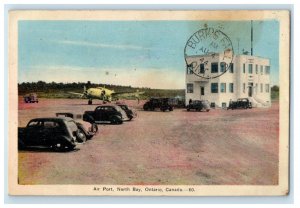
x: 250, y: 89
x: 202, y: 90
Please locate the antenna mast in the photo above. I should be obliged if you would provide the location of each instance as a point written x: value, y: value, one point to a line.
x: 238, y: 45
x: 251, y: 38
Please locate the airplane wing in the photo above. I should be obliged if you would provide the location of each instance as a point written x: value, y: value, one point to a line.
x: 76, y: 93
x: 133, y: 93
x: 128, y: 93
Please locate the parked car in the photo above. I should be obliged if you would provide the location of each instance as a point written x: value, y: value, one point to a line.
x: 198, y: 105
x: 89, y: 133
x: 58, y: 133
x: 106, y: 114
x: 31, y: 98
x: 240, y: 103
x: 161, y: 103
x: 129, y: 112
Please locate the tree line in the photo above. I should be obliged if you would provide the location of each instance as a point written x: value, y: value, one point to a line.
x: 59, y: 90
x: 41, y: 86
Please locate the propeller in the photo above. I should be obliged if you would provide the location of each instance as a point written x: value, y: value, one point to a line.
x: 85, y: 92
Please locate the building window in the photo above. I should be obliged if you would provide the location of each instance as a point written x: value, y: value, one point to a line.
x: 256, y: 69
x: 261, y: 88
x: 202, y: 90
x: 267, y: 68
x: 214, y: 87
x: 261, y: 69
x: 212, y: 105
x: 189, y: 69
x: 214, y: 68
x: 190, y: 88
x: 231, y: 68
x: 244, y: 87
x: 244, y: 68
x: 223, y: 87
x: 250, y: 70
x: 223, y: 66
x: 231, y: 87
x: 267, y: 88
x: 256, y: 88
x: 202, y: 69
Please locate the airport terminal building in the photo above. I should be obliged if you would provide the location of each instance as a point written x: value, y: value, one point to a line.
x: 247, y: 77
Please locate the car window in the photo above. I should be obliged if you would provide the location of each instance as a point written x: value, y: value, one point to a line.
x: 33, y: 123
x: 50, y: 124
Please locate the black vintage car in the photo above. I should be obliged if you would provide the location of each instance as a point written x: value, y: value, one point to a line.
x: 129, y: 112
x: 241, y: 103
x: 161, y: 103
x: 198, y: 105
x: 106, y: 114
x: 58, y: 133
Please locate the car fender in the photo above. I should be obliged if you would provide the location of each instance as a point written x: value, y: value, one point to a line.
x: 66, y: 140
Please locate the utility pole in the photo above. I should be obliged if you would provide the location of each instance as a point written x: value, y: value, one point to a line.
x: 251, y: 37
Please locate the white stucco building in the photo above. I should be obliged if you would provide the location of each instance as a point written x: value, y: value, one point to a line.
x: 248, y: 77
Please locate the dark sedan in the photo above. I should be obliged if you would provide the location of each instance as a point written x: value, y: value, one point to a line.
x: 198, y: 105
x: 242, y: 103
x: 58, y: 133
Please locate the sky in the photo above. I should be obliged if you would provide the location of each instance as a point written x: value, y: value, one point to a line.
x: 135, y: 53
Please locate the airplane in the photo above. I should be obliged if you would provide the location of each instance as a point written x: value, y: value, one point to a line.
x: 102, y: 93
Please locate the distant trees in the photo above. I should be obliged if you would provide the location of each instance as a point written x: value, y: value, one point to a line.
x: 41, y: 86
x: 55, y: 90
x: 275, y: 88
x: 275, y: 92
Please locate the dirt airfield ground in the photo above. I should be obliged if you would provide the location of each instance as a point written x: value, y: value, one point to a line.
x: 160, y: 148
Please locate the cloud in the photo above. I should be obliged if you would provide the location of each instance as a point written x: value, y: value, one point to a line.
x: 101, y: 45
x: 136, y: 77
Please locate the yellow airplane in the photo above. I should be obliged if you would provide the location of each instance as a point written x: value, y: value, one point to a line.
x: 102, y: 93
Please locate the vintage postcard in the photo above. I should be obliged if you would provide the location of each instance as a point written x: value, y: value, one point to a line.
x: 158, y: 103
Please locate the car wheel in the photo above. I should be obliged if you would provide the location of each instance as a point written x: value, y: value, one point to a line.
x: 115, y: 120
x: 80, y: 136
x: 188, y: 109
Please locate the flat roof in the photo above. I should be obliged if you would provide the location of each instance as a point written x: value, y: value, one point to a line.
x: 217, y: 54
